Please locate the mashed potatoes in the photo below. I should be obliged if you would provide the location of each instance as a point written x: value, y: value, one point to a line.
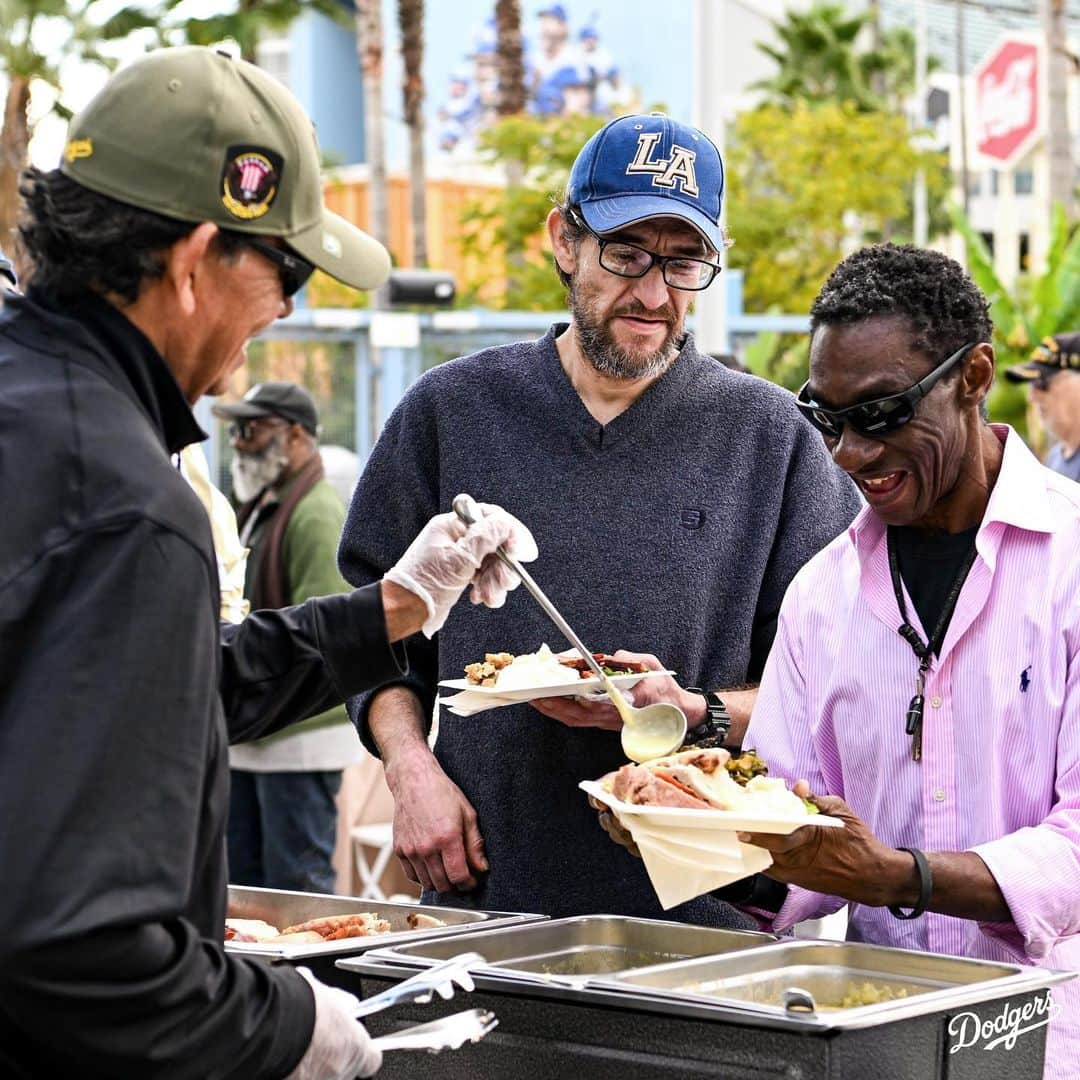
x: 540, y: 668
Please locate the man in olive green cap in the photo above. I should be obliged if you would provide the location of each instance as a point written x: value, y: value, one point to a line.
x: 185, y: 215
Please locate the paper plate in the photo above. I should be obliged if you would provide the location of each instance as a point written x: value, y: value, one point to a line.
x: 721, y: 820
x: 572, y: 687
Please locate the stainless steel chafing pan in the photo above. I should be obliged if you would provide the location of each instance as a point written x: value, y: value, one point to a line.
x: 829, y: 979
x: 281, y: 909
x: 576, y: 950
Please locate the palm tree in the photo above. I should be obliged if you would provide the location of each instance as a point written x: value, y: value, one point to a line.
x: 369, y: 45
x: 411, y: 26
x: 84, y: 28
x: 510, y: 56
x: 1052, y: 14
x: 1037, y: 306
x: 890, y: 67
x: 249, y: 21
x: 87, y: 26
x: 818, y: 60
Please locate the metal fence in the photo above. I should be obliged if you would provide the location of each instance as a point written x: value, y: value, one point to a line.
x: 358, y: 363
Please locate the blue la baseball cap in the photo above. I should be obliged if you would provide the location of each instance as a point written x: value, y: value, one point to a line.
x: 645, y: 166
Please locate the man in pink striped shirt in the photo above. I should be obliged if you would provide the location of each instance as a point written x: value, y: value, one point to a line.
x: 925, y: 678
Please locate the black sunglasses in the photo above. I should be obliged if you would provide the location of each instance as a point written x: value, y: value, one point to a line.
x: 293, y: 271
x: 631, y: 261
x: 882, y: 415
x: 244, y: 430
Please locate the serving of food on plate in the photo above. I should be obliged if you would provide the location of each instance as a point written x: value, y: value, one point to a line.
x: 707, y: 779
x: 542, y: 668
x: 503, y: 678
x: 315, y: 931
x: 683, y: 814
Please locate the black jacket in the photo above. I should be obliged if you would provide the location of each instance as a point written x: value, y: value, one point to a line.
x: 118, y: 693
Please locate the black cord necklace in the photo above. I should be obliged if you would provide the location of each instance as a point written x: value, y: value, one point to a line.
x: 924, y: 651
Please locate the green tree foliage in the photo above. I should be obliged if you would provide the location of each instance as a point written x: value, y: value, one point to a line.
x: 246, y: 22
x: 780, y: 358
x: 1036, y: 307
x: 822, y: 57
x: 808, y: 183
x: 510, y: 221
x: 84, y: 29
x: 817, y: 60
x: 76, y: 29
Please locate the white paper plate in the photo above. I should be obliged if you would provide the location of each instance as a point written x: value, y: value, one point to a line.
x: 575, y: 688
x: 722, y: 820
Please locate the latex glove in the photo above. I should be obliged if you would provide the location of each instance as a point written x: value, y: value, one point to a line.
x: 448, y: 556
x: 340, y: 1048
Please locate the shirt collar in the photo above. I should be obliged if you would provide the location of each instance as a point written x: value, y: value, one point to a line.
x: 1018, y: 498
x: 130, y: 351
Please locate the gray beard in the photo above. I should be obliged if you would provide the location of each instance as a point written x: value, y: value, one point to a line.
x: 607, y: 357
x: 251, y: 473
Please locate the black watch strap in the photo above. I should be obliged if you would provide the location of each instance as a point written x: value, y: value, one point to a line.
x: 713, y: 730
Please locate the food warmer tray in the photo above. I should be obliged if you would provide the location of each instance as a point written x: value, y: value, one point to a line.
x: 609, y: 1029
x: 577, y: 950
x: 282, y: 908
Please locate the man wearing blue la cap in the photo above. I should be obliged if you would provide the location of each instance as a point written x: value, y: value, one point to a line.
x: 672, y: 501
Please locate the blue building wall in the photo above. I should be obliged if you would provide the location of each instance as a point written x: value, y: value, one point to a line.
x: 324, y: 73
x: 647, y: 39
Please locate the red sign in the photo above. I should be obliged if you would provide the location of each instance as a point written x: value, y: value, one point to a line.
x: 1007, y: 109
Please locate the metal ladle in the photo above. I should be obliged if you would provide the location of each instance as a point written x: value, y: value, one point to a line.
x: 647, y: 733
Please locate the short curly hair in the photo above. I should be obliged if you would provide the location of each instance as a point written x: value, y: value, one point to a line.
x: 945, y: 307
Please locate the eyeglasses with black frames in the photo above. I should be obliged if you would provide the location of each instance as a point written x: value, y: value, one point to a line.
x: 882, y: 415
x: 631, y: 261
x: 245, y: 430
x: 293, y: 270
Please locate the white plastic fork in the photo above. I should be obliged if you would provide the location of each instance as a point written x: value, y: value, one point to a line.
x: 449, y: 1033
x: 421, y: 987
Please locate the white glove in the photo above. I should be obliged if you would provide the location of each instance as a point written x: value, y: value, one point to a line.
x: 447, y: 556
x: 340, y: 1048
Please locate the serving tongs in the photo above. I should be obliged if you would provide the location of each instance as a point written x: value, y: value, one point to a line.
x: 449, y: 1033
x: 422, y: 987
x: 649, y: 732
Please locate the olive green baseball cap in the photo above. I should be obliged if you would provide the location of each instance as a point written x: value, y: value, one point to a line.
x: 197, y: 135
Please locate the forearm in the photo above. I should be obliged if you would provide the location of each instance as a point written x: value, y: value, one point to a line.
x: 405, y: 612
x: 285, y: 665
x: 963, y: 886
x: 740, y: 704
x: 398, y: 728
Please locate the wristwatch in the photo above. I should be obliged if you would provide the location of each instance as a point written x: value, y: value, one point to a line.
x: 713, y: 730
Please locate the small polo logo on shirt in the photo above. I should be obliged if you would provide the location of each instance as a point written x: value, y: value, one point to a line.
x: 691, y: 517
x: 1025, y: 680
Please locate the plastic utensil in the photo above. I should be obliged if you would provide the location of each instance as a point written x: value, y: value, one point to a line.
x: 421, y: 987
x: 449, y: 1033
x: 647, y: 733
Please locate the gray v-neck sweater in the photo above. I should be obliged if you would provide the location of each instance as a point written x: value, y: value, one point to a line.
x: 674, y: 529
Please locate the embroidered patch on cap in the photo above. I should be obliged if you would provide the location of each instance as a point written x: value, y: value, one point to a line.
x: 250, y: 181
x: 677, y: 167
x: 78, y: 148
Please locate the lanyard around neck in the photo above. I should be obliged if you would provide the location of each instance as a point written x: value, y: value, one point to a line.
x: 924, y: 651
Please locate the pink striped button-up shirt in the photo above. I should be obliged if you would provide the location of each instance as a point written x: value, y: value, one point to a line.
x: 1000, y: 769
